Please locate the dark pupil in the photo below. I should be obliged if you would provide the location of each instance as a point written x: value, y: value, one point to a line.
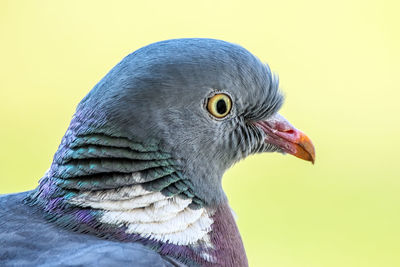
x: 221, y: 107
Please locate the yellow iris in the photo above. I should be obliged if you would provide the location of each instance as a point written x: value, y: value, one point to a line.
x: 219, y: 105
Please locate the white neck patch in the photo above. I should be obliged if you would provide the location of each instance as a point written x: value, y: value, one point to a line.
x: 150, y: 214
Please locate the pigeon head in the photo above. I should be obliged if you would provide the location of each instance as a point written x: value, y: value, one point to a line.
x: 144, y: 155
x: 206, y: 101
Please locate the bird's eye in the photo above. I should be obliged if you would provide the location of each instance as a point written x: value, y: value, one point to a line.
x: 219, y: 105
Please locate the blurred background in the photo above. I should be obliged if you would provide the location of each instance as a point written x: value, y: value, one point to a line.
x: 338, y: 63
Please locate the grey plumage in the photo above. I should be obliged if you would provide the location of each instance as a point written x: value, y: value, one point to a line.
x: 158, y: 93
x: 146, y: 127
x: 27, y: 239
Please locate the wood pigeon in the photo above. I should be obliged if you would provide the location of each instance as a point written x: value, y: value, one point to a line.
x: 136, y: 180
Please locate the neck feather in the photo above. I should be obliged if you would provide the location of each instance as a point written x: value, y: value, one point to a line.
x: 116, y: 188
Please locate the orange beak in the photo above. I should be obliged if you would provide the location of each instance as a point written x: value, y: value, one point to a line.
x: 281, y: 133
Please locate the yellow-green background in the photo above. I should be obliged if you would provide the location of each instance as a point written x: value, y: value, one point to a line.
x: 338, y: 63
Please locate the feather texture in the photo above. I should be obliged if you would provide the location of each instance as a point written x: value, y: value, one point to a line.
x: 140, y: 167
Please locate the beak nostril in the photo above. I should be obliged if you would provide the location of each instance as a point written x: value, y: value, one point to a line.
x: 282, y: 134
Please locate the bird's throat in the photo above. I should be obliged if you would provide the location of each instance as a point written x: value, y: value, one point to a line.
x: 115, y: 188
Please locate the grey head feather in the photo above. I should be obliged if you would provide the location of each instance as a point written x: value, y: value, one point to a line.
x: 159, y: 92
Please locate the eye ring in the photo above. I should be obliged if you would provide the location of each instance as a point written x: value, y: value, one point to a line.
x: 219, y: 105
